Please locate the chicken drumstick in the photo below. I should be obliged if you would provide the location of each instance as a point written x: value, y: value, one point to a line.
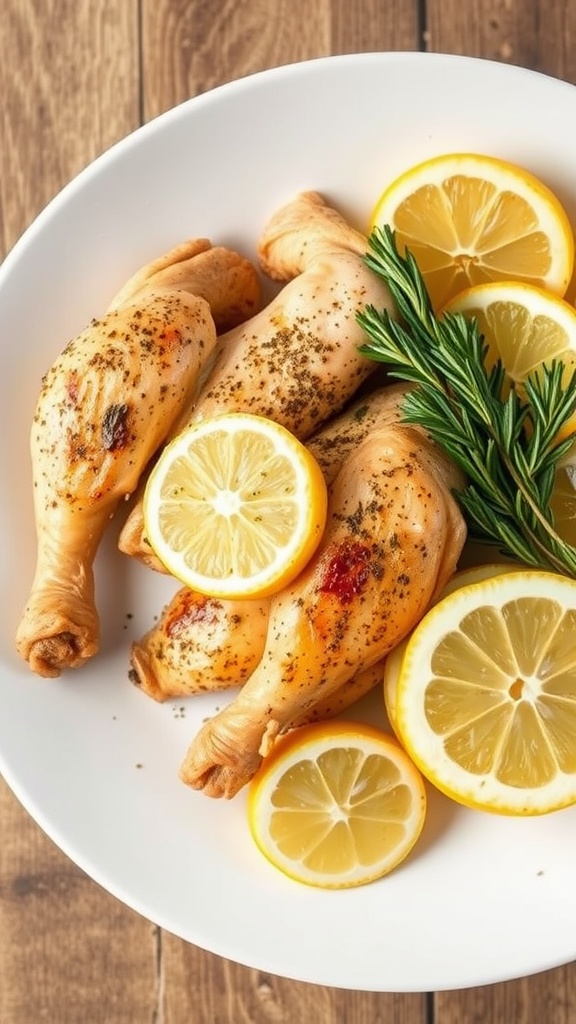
x: 298, y: 360
x: 201, y: 643
x: 393, y: 538
x: 105, y: 406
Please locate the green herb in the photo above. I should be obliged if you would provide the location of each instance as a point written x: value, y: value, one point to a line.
x: 505, y: 442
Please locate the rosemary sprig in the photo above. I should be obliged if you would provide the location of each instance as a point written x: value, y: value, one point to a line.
x: 505, y: 443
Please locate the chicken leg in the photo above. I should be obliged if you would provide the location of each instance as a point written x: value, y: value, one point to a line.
x: 393, y: 538
x: 298, y: 360
x: 201, y: 644
x: 105, y: 406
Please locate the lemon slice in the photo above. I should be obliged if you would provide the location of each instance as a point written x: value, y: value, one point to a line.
x: 336, y: 804
x: 393, y: 662
x: 524, y: 326
x: 469, y: 218
x: 486, y: 698
x: 235, y: 506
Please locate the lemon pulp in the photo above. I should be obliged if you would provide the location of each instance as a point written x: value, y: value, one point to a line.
x: 336, y: 804
x: 514, y: 713
x: 468, y: 218
x: 485, y: 699
x: 325, y: 811
x: 235, y: 506
x: 242, y: 502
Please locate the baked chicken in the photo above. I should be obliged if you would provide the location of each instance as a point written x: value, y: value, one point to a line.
x: 393, y: 537
x: 297, y: 361
x: 201, y: 643
x: 106, y: 405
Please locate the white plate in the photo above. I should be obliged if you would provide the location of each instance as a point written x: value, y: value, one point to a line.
x: 483, y: 898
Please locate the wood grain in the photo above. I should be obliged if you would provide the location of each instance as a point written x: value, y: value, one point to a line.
x: 69, y: 85
x: 538, y: 35
x: 189, y: 47
x: 69, y: 952
x: 549, y: 997
x: 75, y: 75
x: 205, y: 988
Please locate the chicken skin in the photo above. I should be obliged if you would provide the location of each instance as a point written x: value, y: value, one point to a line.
x: 201, y: 644
x: 392, y: 540
x: 106, y: 404
x: 298, y: 360
x: 344, y: 697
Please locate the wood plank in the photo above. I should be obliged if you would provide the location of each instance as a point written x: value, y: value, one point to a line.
x: 189, y: 47
x: 536, y: 34
x: 374, y: 26
x: 548, y: 998
x: 69, y: 952
x: 541, y: 35
x: 70, y: 88
x: 206, y: 988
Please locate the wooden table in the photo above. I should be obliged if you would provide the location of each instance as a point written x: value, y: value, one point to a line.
x: 75, y: 76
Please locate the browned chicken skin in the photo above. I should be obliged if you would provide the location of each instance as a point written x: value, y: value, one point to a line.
x: 201, y: 644
x: 106, y: 404
x: 297, y: 361
x: 393, y: 538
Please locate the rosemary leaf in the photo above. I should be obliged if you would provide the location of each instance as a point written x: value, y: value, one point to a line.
x: 509, y: 443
